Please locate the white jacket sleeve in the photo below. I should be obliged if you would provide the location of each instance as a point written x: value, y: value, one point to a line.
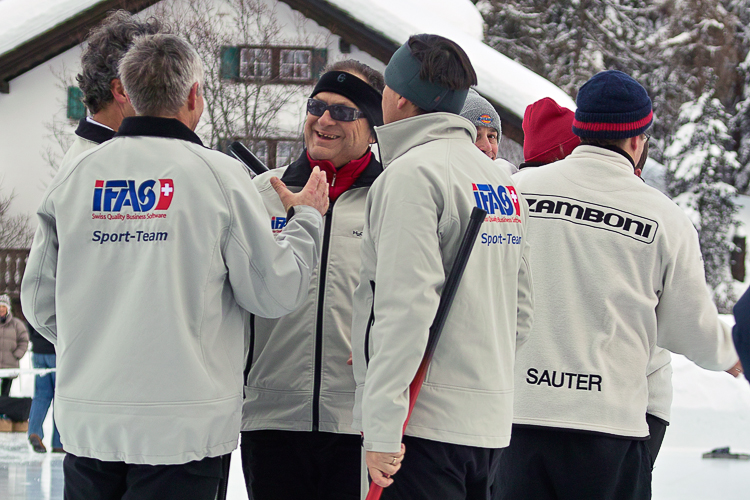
x: 39, y: 278
x: 525, y: 305
x: 403, y: 224
x: 270, y: 276
x: 687, y: 320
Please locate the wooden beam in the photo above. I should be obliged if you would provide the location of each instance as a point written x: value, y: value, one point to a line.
x: 57, y: 40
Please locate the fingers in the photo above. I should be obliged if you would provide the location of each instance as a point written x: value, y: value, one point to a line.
x: 349, y: 361
x: 379, y: 478
x: 285, y: 195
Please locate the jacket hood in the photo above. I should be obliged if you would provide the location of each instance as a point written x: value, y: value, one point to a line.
x: 396, y: 138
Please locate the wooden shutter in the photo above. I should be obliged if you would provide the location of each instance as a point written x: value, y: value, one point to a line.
x: 319, y: 61
x: 76, y: 108
x: 230, y: 63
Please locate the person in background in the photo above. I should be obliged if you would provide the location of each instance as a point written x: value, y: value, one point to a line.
x: 14, y: 340
x: 159, y: 284
x: 549, y: 137
x: 741, y: 330
x: 484, y: 117
x: 617, y: 269
x: 547, y: 133
x: 42, y: 357
x: 99, y: 79
x: 297, y: 439
x: 416, y: 214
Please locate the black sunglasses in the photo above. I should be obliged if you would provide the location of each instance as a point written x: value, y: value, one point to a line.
x: 338, y: 112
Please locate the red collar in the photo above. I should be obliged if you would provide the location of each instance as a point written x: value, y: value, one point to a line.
x: 342, y: 178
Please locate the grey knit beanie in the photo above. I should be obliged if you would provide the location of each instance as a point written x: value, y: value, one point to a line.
x: 5, y: 301
x: 480, y: 112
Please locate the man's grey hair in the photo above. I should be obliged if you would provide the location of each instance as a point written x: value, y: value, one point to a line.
x: 158, y: 72
x: 105, y: 46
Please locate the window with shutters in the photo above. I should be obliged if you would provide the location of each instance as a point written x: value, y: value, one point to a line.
x: 255, y: 64
x: 278, y: 65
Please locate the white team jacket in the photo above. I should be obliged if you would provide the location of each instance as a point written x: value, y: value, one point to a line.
x: 415, y: 216
x: 150, y: 251
x: 617, y: 270
x: 298, y: 378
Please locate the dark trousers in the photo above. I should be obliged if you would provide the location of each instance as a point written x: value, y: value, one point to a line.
x: 656, y: 429
x: 92, y: 479
x: 433, y: 470
x: 5, y: 386
x: 553, y: 464
x: 281, y: 465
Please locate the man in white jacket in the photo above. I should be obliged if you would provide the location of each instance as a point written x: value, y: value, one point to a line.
x: 415, y: 216
x: 617, y: 271
x: 150, y: 254
x: 99, y: 79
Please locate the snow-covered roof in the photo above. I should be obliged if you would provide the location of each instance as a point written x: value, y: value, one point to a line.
x: 501, y: 79
x: 24, y: 20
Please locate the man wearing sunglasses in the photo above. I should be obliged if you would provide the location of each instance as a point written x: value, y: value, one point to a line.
x: 297, y: 439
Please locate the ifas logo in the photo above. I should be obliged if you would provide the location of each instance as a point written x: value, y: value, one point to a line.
x: 502, y: 200
x: 112, y: 196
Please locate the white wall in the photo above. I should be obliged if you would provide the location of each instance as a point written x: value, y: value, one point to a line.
x: 37, y: 97
x: 34, y: 98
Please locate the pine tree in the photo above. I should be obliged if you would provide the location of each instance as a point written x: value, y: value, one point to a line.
x: 569, y: 41
x: 694, y: 43
x: 699, y: 172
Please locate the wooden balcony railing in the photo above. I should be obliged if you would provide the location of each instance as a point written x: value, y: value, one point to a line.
x: 12, y: 265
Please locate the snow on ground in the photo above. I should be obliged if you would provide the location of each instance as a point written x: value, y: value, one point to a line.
x: 710, y: 410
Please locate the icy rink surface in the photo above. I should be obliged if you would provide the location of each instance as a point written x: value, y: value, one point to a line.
x: 710, y: 410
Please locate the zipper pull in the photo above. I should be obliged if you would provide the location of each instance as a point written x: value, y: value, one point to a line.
x: 333, y: 182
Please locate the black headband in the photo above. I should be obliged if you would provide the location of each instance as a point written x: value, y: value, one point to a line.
x: 367, y: 99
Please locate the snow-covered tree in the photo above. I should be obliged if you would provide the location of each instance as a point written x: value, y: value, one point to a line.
x: 700, y: 169
x: 569, y: 41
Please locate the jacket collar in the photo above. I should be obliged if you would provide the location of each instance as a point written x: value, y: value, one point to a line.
x: 606, y: 155
x: 299, y: 172
x: 396, y: 138
x: 93, y: 132
x: 152, y: 126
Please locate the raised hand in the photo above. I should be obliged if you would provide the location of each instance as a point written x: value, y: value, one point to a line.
x: 314, y: 194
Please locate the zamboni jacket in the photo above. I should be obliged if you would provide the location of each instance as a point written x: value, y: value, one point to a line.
x: 659, y: 369
x: 298, y: 376
x: 415, y: 217
x: 617, y: 270
x: 14, y: 340
x: 149, y: 255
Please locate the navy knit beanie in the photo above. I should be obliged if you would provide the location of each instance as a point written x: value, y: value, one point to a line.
x: 612, y: 105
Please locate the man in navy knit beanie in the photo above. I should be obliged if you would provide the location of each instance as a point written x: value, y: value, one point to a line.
x: 617, y: 272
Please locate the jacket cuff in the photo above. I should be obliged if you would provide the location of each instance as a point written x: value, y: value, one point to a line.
x: 382, y: 447
x: 304, y: 209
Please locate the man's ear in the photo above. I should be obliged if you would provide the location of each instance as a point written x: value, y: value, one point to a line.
x: 634, y: 143
x: 402, y: 101
x: 118, y: 91
x: 193, y: 96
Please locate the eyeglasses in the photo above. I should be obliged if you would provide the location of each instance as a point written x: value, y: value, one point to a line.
x: 338, y: 112
x: 647, y: 136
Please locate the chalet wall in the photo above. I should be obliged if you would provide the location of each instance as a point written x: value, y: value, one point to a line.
x: 37, y: 98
